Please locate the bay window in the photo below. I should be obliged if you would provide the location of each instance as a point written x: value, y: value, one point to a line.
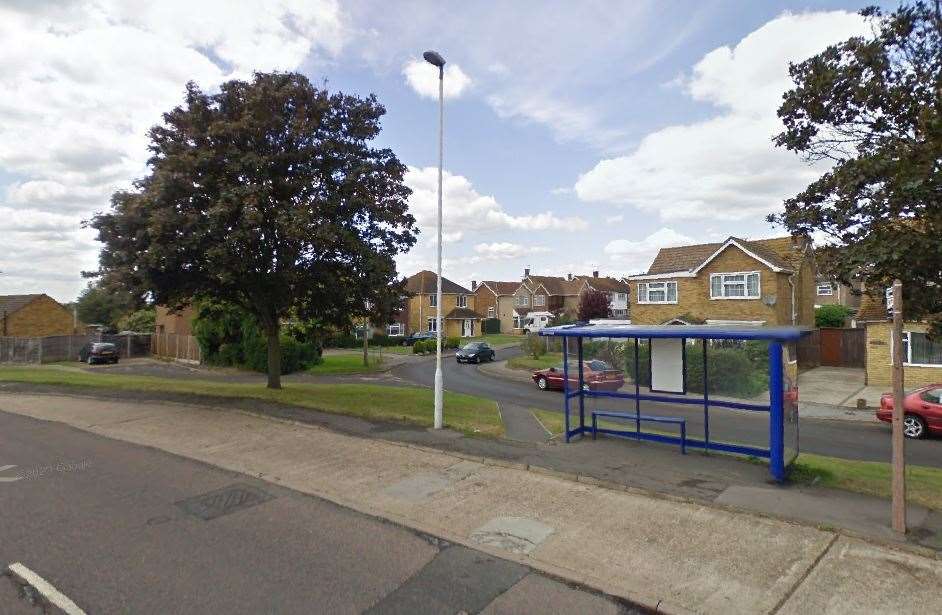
x: 740, y: 285
x: 657, y: 292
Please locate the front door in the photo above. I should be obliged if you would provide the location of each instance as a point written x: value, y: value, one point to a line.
x: 467, y: 328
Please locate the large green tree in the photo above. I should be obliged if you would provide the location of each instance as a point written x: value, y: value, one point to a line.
x: 872, y: 107
x: 97, y: 304
x: 267, y: 195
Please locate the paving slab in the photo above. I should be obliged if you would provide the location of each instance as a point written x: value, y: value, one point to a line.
x: 857, y: 577
x: 542, y: 595
x: 830, y: 385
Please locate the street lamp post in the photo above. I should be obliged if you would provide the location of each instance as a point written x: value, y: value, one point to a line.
x: 435, y: 59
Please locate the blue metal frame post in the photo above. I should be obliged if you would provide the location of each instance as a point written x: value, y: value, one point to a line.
x: 706, y: 399
x: 565, y: 342
x: 581, y: 386
x: 637, y: 390
x: 776, y: 413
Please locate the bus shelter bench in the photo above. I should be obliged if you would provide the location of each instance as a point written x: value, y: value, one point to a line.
x: 643, y: 417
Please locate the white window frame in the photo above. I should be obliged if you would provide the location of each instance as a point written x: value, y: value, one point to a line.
x: 827, y: 288
x: 463, y: 301
x: 433, y: 300
x: 491, y: 312
x: 522, y: 301
x: 745, y: 285
x: 539, y: 300
x: 430, y: 323
x: 645, y: 288
x: 908, y: 351
x: 621, y: 297
x: 397, y: 327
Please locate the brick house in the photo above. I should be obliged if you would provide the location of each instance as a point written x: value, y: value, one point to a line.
x: 760, y: 282
x: 496, y: 300
x: 829, y: 291
x: 922, y: 358
x: 36, y: 316
x: 458, y: 314
x: 554, y: 294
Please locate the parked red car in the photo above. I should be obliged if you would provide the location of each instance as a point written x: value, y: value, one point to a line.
x: 596, y: 375
x: 922, y: 411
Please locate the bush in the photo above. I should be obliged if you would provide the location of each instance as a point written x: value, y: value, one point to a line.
x: 831, y: 315
x: 451, y: 342
x: 737, y: 372
x: 229, y: 355
x: 535, y: 346
x: 418, y: 347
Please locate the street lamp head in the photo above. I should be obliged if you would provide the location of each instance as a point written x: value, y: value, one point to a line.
x: 432, y: 57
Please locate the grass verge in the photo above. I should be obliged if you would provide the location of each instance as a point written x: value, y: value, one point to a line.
x: 923, y: 484
x: 339, y: 364
x: 465, y: 413
x: 498, y: 339
x: 527, y: 362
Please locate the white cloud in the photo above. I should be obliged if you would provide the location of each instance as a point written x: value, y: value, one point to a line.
x: 503, y: 250
x: 466, y: 210
x: 423, y: 78
x: 615, y: 219
x: 628, y: 255
x: 726, y: 167
x: 82, y: 83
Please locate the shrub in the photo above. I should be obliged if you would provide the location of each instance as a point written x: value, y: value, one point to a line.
x: 418, y: 347
x: 831, y: 315
x: 230, y: 355
x: 535, y: 346
x: 732, y: 371
x: 451, y: 342
x: 644, y: 360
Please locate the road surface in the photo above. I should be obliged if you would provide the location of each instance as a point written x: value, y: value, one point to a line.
x: 119, y: 528
x: 850, y: 440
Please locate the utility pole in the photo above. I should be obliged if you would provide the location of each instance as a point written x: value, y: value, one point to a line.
x: 899, y: 442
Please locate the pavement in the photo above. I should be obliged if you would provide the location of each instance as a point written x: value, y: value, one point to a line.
x: 121, y: 528
x: 678, y: 555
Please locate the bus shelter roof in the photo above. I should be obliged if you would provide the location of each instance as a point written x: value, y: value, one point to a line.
x: 712, y: 332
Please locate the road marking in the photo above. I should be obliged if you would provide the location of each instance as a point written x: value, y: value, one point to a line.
x: 8, y: 479
x: 45, y: 588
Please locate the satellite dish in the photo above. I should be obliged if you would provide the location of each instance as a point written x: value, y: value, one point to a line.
x: 769, y: 300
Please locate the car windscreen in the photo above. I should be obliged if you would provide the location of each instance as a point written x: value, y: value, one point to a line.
x: 103, y: 346
x: 473, y: 346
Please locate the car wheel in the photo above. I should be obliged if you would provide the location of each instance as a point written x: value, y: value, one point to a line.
x: 914, y: 427
x: 541, y: 383
x: 477, y: 359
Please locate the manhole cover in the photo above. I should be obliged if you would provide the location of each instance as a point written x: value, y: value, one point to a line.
x: 224, y: 501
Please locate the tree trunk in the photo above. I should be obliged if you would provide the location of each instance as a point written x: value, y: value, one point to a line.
x: 366, y: 344
x: 274, y: 357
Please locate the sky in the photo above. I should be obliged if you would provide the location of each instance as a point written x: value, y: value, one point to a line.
x: 579, y: 136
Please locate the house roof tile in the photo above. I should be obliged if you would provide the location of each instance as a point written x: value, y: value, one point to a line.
x: 607, y: 284
x: 460, y: 313
x: 425, y: 282
x: 778, y: 251
x: 12, y: 303
x: 501, y: 288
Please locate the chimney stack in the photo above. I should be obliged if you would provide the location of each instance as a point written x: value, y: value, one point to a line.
x: 474, y: 285
x: 569, y: 277
x: 595, y: 274
x: 526, y: 272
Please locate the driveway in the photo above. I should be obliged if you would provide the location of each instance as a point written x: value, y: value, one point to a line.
x: 835, y: 386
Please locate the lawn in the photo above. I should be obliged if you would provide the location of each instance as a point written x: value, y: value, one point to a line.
x: 339, y: 364
x: 527, y: 362
x: 465, y: 413
x: 499, y: 339
x: 923, y: 485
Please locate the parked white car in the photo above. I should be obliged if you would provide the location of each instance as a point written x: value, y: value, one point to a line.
x: 535, y: 321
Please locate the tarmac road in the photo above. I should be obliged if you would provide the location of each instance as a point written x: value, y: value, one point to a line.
x: 850, y: 440
x: 115, y: 528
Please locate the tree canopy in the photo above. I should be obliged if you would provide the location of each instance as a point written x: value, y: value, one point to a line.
x: 266, y: 195
x: 872, y: 106
x: 593, y: 304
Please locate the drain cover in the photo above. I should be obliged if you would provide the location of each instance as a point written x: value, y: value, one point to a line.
x: 224, y: 501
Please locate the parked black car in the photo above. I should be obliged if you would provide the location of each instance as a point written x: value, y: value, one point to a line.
x: 98, y: 352
x: 410, y: 340
x: 475, y: 352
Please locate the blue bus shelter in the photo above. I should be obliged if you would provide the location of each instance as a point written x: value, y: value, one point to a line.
x: 779, y: 416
